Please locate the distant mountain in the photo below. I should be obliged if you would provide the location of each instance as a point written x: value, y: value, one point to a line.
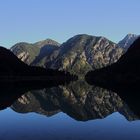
x: 82, y: 53
x: 125, y: 72
x: 28, y: 52
x: 47, y: 42
x: 78, y: 55
x: 45, y: 51
x: 127, y: 41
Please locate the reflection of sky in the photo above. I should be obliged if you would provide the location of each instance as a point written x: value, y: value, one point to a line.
x: 33, y: 126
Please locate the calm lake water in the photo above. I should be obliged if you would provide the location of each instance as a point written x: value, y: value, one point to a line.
x: 76, y: 111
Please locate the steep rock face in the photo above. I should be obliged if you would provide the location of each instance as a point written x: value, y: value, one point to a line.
x: 127, y: 41
x: 125, y: 72
x: 28, y: 52
x: 82, y: 53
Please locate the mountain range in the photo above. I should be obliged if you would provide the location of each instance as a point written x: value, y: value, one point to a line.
x: 77, y: 55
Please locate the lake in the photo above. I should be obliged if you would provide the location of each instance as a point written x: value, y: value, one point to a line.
x: 76, y: 111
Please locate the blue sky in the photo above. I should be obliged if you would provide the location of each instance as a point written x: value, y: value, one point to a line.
x: 34, y: 20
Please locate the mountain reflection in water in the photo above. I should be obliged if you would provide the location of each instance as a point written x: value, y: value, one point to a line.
x: 78, y: 100
x: 51, y: 111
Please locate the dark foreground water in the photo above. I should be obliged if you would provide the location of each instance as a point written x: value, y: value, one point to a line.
x: 73, y: 112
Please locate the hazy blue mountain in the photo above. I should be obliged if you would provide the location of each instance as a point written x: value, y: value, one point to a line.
x: 127, y: 41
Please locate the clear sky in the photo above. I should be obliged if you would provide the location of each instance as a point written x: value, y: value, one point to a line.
x: 34, y: 20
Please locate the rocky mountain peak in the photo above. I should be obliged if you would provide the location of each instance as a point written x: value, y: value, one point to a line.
x: 82, y: 53
x: 46, y: 42
x: 128, y: 41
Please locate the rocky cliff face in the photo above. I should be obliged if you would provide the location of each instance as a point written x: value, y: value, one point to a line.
x: 25, y: 52
x: 124, y: 73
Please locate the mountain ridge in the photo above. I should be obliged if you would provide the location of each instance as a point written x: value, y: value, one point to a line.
x: 27, y: 52
x: 80, y: 54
